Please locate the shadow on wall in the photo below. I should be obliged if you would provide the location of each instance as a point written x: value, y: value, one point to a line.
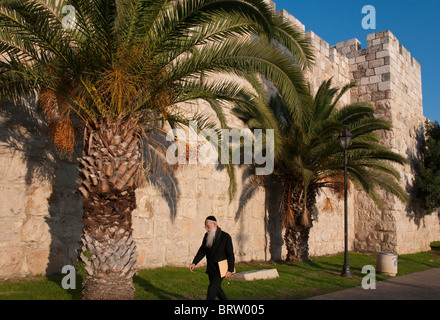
x: 414, y: 208
x: 51, y: 217
x: 50, y: 220
x: 273, y: 214
x: 157, y: 172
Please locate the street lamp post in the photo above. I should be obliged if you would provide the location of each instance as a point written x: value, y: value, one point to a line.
x: 345, y: 141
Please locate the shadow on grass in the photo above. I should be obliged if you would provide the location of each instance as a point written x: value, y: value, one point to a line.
x: 143, y: 287
x: 158, y: 293
x: 313, y: 266
x: 75, y: 294
x: 409, y: 263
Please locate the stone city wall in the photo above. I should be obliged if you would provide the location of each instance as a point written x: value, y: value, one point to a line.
x: 40, y: 216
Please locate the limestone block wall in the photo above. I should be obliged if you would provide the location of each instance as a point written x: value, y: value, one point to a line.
x: 169, y: 229
x: 327, y: 234
x: 40, y: 217
x: 329, y: 63
x: 172, y: 207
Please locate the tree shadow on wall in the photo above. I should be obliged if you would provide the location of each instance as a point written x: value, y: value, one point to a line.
x: 414, y: 208
x: 272, y: 208
x: 157, y: 172
x: 51, y: 214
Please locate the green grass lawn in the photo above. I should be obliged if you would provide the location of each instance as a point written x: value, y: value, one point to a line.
x: 296, y: 280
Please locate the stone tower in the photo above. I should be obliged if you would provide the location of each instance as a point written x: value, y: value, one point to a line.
x: 388, y: 77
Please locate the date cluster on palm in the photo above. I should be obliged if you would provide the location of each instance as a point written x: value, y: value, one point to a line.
x: 107, y: 167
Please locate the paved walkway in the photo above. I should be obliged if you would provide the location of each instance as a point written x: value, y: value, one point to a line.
x: 423, y: 285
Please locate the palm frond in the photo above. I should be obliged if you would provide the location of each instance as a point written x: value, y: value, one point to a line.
x: 311, y: 154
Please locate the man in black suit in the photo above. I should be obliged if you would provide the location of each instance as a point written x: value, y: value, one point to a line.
x: 216, y: 246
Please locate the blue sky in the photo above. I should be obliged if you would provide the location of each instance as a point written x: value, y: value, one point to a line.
x: 416, y: 24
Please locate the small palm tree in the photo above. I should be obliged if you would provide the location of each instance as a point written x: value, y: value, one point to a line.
x: 114, y: 66
x: 308, y: 156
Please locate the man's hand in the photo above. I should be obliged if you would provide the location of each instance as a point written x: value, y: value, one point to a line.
x: 191, y: 267
x: 228, y: 274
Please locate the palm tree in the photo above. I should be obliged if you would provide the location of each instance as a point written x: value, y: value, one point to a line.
x: 114, y: 66
x: 308, y: 157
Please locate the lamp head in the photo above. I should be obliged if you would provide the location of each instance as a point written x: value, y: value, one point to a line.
x: 345, y: 138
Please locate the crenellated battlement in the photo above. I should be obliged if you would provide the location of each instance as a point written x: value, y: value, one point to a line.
x: 385, y: 69
x: 377, y: 42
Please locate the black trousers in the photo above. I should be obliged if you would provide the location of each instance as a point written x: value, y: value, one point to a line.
x: 215, y: 288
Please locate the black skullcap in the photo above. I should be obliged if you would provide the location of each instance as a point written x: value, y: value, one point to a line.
x: 212, y: 218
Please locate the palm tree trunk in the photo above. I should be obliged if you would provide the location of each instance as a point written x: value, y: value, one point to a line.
x: 296, y: 239
x: 110, y: 160
x: 297, y: 220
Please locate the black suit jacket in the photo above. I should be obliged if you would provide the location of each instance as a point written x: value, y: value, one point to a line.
x: 221, y: 249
